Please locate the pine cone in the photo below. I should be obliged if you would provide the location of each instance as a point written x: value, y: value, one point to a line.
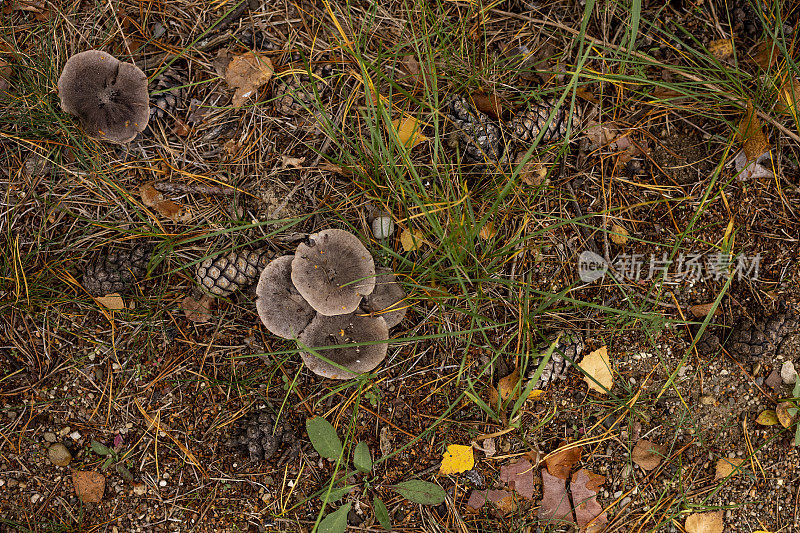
x: 763, y: 337
x: 297, y: 92
x: 256, y: 435
x: 117, y: 270
x: 166, y: 94
x: 258, y: 40
x: 224, y: 274
x: 478, y: 137
x: 567, y: 352
x: 527, y: 125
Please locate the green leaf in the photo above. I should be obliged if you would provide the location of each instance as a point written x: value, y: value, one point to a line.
x: 337, y: 493
x: 324, y: 438
x: 797, y: 436
x: 382, y: 514
x: 362, y: 460
x: 796, y: 390
x: 336, y: 522
x: 420, y: 492
x: 124, y: 472
x: 107, y: 463
x: 100, y: 449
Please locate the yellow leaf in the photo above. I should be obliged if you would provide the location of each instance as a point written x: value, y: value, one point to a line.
x: 767, y: 418
x: 705, y: 523
x: 725, y: 467
x: 411, y: 240
x: 409, y: 131
x: 111, y: 301
x: 619, y: 235
x: 534, y: 395
x: 784, y: 416
x: 487, y: 231
x: 752, y: 135
x: 457, y: 459
x: 721, y: 49
x: 507, y: 386
x: 788, y: 96
x: 597, y: 366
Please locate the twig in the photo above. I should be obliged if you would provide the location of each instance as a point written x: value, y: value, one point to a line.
x: 170, y: 187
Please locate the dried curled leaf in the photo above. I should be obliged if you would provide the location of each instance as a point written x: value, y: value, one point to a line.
x: 89, y: 486
x: 619, y: 235
x: 246, y: 73
x: 198, y: 311
x: 751, y: 134
x: 166, y: 208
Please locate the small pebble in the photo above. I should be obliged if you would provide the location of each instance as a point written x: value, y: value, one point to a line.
x: 382, y: 227
x: 59, y: 455
x: 50, y: 437
x: 788, y: 373
x: 75, y: 435
x: 162, y: 483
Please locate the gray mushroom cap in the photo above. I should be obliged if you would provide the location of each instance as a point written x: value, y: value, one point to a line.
x: 283, y: 311
x: 333, y: 272
x: 325, y: 333
x: 387, y: 300
x: 108, y: 96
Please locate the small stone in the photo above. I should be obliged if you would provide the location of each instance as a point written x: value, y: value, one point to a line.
x: 139, y: 489
x: 788, y: 373
x: 59, y: 455
x: 707, y: 399
x: 773, y: 381
x: 35, y: 498
x: 382, y: 227
x: 50, y: 437
x: 75, y: 435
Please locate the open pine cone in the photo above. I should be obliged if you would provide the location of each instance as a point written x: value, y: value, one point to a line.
x: 224, y: 274
x: 759, y: 338
x: 117, y: 270
x: 567, y: 352
x: 478, y: 137
x: 257, y: 436
x: 166, y: 94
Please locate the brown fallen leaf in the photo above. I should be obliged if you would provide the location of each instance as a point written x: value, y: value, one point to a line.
x: 786, y: 413
x: 488, y: 103
x: 198, y: 311
x: 486, y: 232
x: 721, y: 49
x: 560, y: 463
x: 89, y: 486
x: 618, y: 235
x: 767, y: 55
x: 725, y: 467
x: 166, y: 208
x: 555, y: 506
x: 502, y: 499
x: 519, y: 477
x: 701, y: 310
x: 533, y: 172
x: 597, y: 367
x: 292, y: 162
x: 647, y: 454
x: 507, y: 386
x: 111, y: 301
x: 246, y: 73
x: 754, y: 142
x: 584, y: 487
x: 705, y: 523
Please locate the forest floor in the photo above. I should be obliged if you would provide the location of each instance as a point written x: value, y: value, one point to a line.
x: 677, y: 169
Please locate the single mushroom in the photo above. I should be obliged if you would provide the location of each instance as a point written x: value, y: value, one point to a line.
x: 282, y: 309
x: 333, y: 272
x: 387, y: 298
x: 326, y: 334
x: 108, y: 96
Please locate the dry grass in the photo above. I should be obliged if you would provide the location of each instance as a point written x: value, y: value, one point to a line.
x: 493, y: 283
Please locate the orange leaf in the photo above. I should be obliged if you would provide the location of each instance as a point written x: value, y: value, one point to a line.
x: 752, y: 135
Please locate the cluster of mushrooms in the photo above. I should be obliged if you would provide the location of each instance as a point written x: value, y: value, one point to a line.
x: 331, y: 298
